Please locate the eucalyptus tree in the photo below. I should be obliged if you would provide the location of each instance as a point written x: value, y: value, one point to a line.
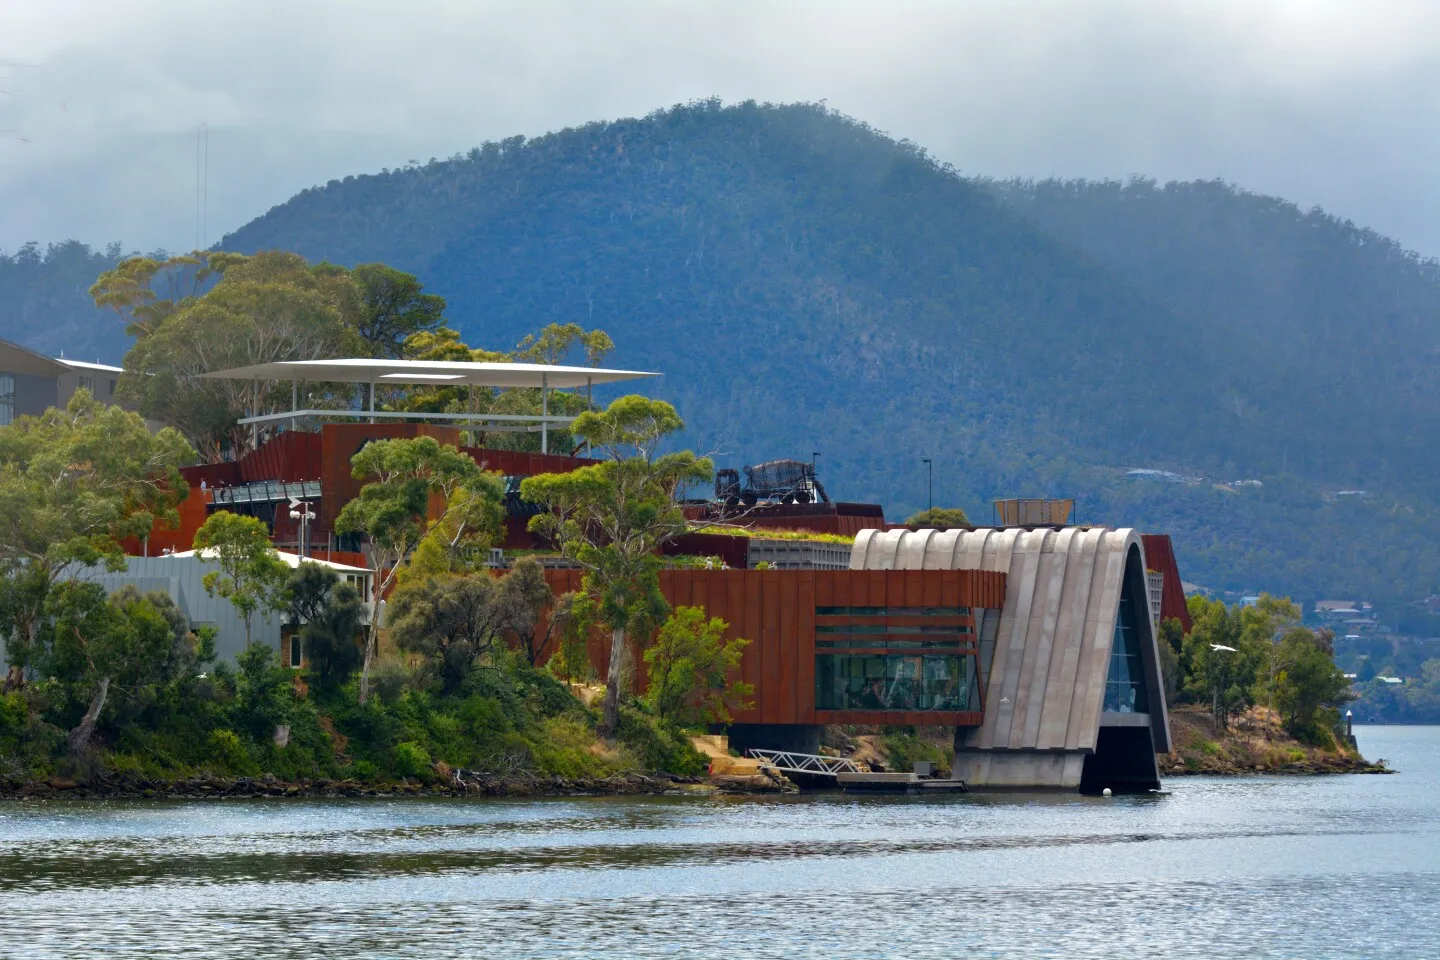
x: 73, y: 484
x: 613, y: 516
x: 413, y: 485
x: 251, y: 575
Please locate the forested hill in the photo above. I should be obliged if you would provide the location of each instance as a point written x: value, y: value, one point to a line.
x: 1333, y: 331
x: 808, y: 284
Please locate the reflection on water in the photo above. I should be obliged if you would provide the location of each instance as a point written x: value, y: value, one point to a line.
x: 1262, y: 867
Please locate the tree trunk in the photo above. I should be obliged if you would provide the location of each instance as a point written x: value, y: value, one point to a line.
x: 610, y: 721
x: 370, y: 644
x: 79, y: 738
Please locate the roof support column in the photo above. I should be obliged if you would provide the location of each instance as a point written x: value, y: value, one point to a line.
x: 372, y: 398
x: 254, y: 411
x: 544, y: 413
x: 294, y: 400
x: 589, y: 404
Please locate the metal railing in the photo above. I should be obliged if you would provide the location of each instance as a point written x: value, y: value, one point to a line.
x: 813, y: 763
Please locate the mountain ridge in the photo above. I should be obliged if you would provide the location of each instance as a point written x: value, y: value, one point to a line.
x: 809, y: 284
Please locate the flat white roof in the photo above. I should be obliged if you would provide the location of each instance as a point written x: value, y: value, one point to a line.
x: 434, y: 373
x: 82, y: 365
x: 292, y: 560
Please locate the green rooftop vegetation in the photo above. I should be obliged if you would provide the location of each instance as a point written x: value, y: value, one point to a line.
x: 761, y: 533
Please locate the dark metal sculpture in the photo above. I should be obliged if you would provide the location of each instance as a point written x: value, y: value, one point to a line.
x: 788, y: 481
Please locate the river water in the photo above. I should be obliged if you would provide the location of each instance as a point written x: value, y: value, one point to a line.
x: 1315, y: 867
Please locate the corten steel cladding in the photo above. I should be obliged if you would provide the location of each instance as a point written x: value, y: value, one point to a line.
x: 777, y: 611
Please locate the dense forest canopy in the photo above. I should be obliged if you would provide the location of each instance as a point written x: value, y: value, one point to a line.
x: 807, y: 283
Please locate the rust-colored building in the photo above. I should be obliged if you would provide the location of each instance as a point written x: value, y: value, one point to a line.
x: 840, y: 646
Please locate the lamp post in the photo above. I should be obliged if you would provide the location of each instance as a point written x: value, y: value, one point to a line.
x: 929, y: 487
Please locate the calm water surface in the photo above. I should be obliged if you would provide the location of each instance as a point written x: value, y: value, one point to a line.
x: 1264, y: 867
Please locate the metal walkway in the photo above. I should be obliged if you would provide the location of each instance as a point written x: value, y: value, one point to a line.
x: 812, y: 763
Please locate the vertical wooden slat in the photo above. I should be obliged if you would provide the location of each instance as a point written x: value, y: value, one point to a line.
x: 773, y: 707
x: 805, y: 648
x: 825, y: 587
x: 789, y: 629
x: 737, y: 607
x: 753, y: 620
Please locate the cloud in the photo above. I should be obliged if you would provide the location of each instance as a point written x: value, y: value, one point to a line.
x: 1322, y: 103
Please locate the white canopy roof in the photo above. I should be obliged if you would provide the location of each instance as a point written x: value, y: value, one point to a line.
x: 434, y: 373
x: 291, y: 560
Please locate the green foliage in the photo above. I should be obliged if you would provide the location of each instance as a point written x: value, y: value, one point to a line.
x: 328, y: 615
x: 264, y: 694
x: 393, y: 308
x: 73, y: 483
x: 251, y: 576
x: 764, y: 533
x: 689, y: 667
x: 903, y: 746
x: 577, y: 615
x: 659, y: 746
x: 411, y: 760
x: 228, y: 754
x: 1238, y: 656
x: 612, y: 517
x: 1307, y: 685
x: 272, y: 306
x: 1227, y: 649
x: 393, y: 509
x: 454, y: 622
x: 940, y: 518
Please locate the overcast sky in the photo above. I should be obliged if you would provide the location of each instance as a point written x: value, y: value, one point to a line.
x: 1322, y: 103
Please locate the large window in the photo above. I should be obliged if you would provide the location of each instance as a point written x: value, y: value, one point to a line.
x: 895, y: 659
x: 7, y: 398
x: 889, y: 681
x: 1125, y: 684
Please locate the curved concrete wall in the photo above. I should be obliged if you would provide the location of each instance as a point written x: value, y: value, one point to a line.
x: 1047, y: 654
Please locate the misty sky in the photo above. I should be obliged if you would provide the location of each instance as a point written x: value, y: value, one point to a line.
x: 1322, y: 103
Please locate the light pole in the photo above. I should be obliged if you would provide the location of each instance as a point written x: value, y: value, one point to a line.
x: 300, y: 510
x: 929, y: 488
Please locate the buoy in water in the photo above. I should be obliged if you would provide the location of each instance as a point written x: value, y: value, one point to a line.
x: 1105, y: 792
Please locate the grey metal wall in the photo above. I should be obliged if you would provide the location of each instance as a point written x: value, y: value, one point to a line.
x: 34, y: 394
x: 182, y: 579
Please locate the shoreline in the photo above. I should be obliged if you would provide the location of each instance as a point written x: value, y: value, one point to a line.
x: 272, y: 788
x: 1175, y: 766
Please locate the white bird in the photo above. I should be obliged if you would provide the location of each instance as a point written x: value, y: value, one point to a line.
x: 1221, y: 646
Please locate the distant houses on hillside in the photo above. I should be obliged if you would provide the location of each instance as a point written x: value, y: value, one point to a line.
x: 1169, y: 476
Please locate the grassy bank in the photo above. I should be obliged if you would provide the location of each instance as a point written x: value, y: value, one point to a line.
x: 1254, y: 743
x: 261, y: 729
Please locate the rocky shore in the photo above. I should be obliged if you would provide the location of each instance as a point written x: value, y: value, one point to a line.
x: 469, y: 784
x: 1255, y: 743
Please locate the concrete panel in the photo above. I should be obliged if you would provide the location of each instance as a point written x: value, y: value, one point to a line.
x: 910, y: 551
x: 861, y: 548
x: 1046, y: 657
x: 940, y: 550
x: 1079, y: 574
x: 1049, y: 651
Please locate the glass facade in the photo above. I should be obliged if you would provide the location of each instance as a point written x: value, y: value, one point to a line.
x: 892, y: 681
x: 7, y: 398
x: 895, y: 659
x: 1125, y: 684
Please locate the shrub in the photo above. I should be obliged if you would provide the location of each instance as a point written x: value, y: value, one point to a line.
x: 658, y: 746
x: 225, y: 749
x: 411, y: 760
